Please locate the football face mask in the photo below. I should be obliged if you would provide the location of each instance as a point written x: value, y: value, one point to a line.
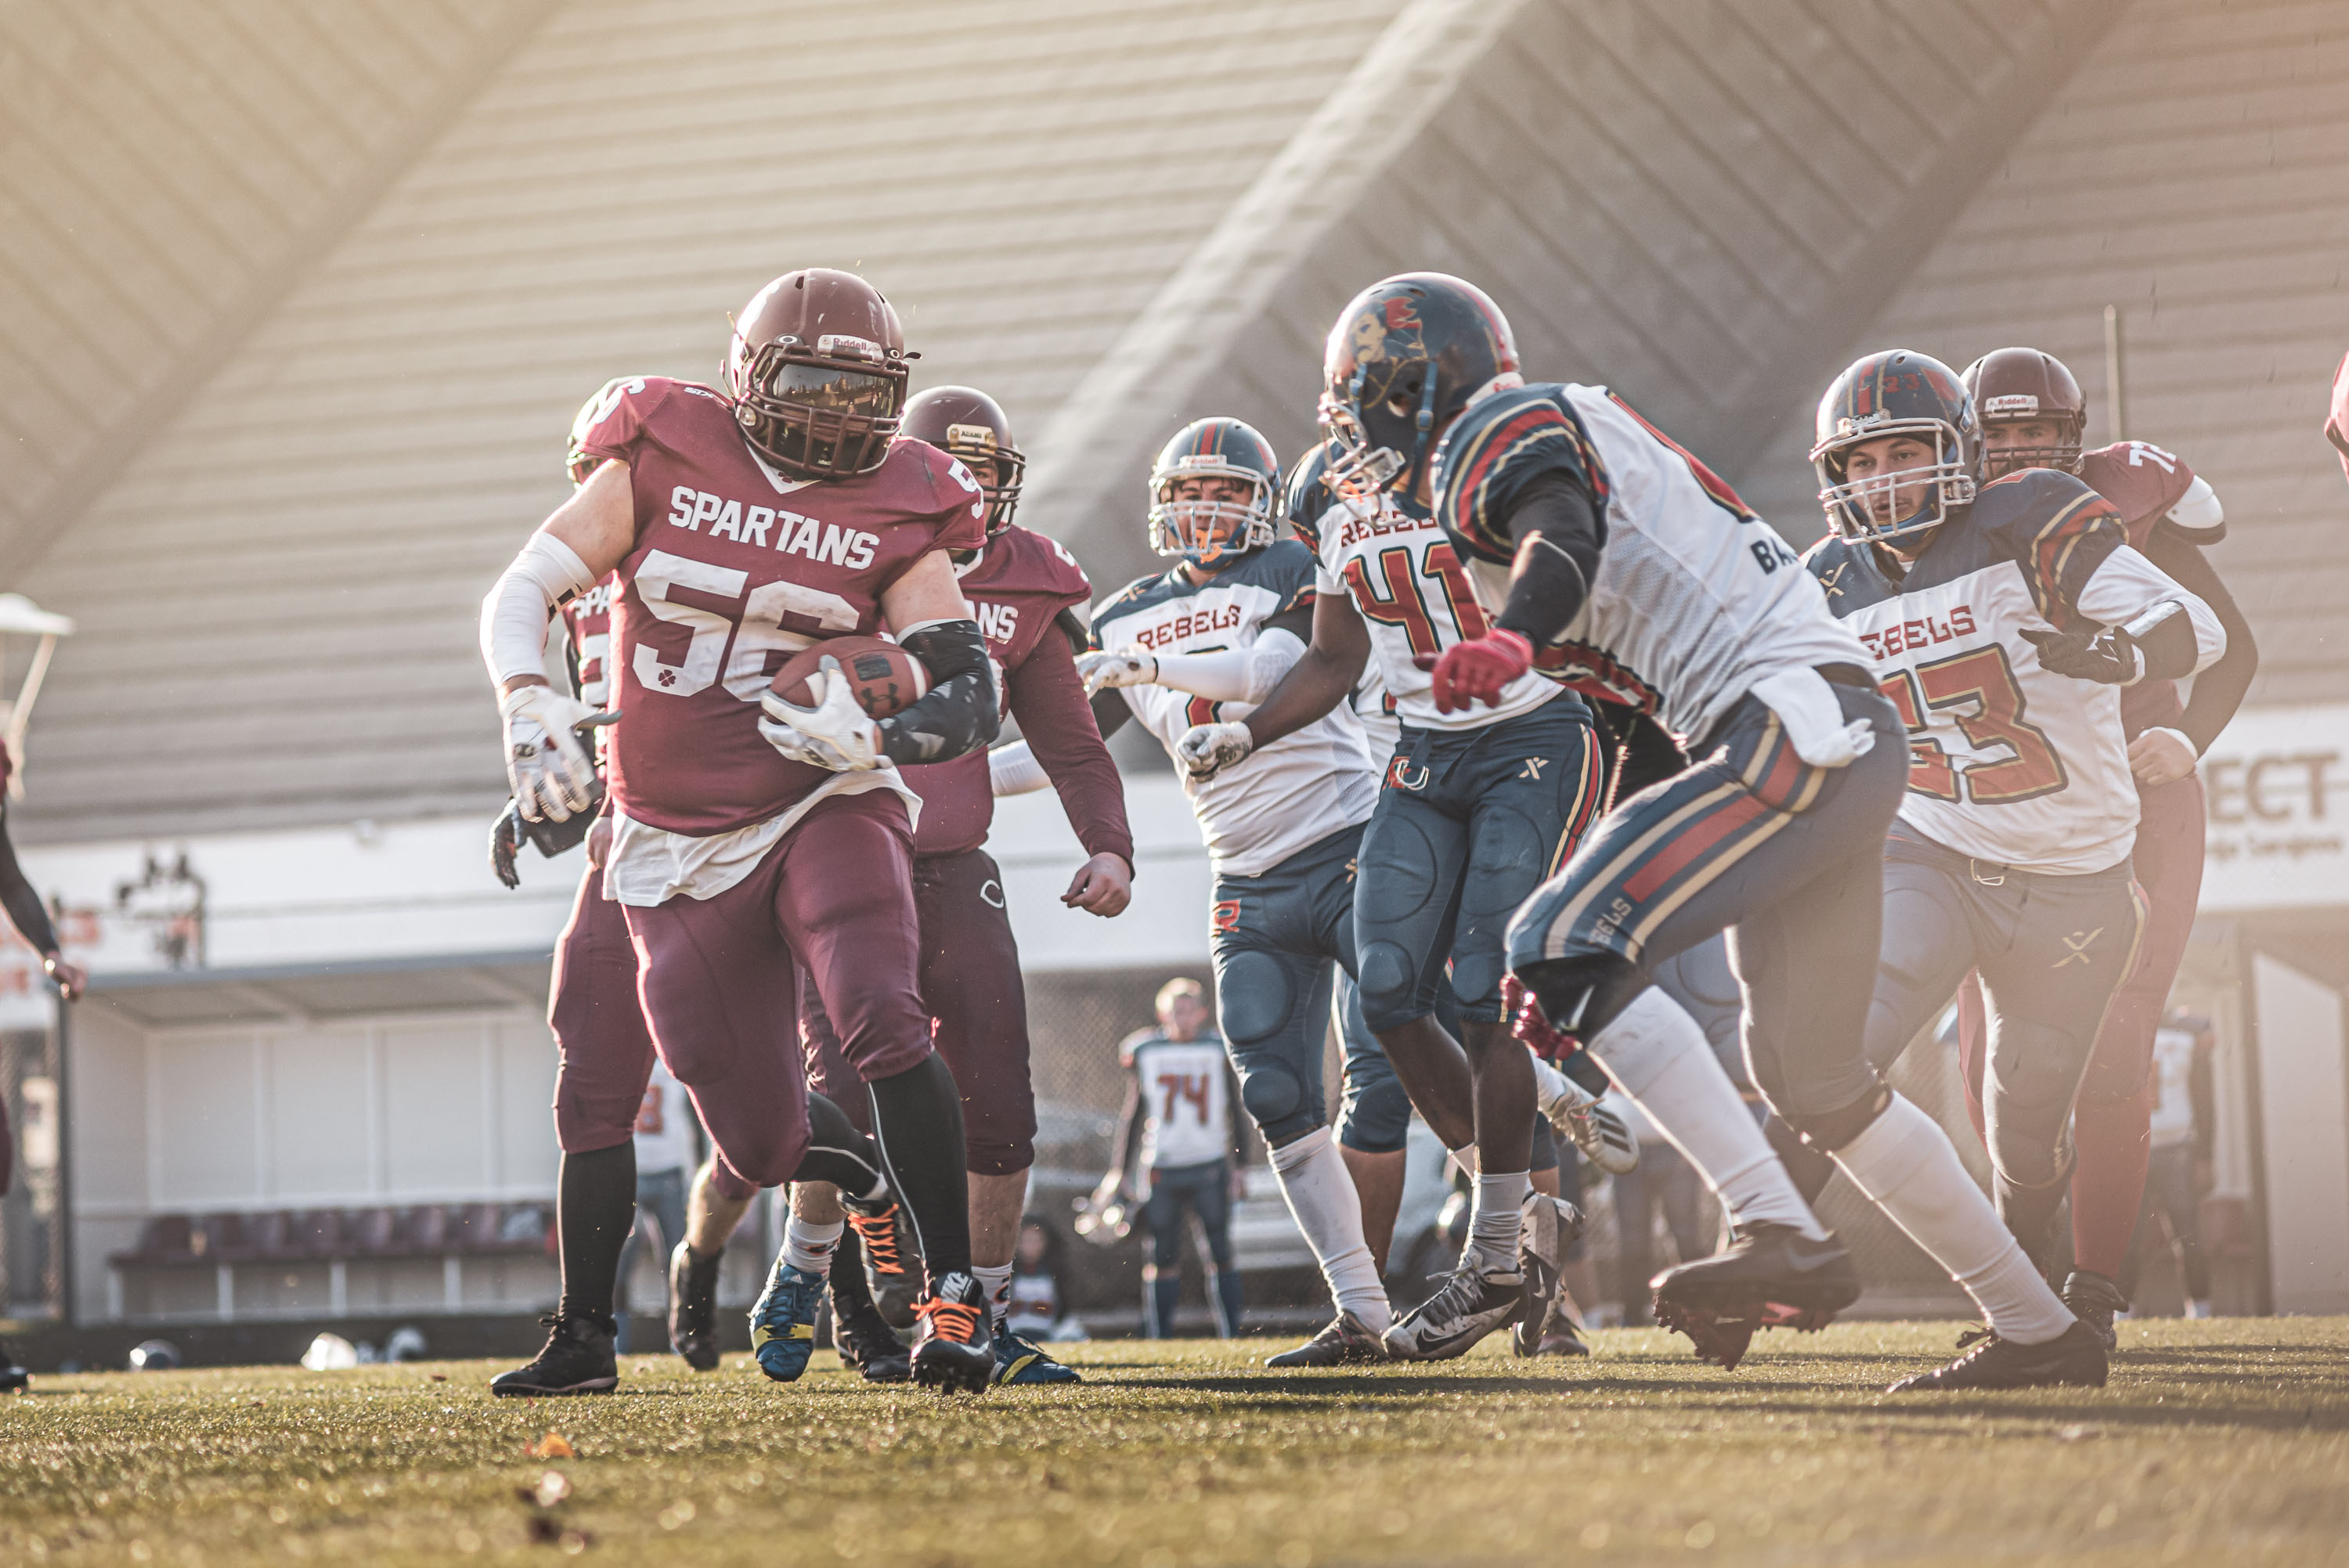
x: 1210, y: 513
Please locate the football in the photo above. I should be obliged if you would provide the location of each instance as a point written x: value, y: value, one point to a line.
x: 885, y: 677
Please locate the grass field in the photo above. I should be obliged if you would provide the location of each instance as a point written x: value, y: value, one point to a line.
x: 2220, y: 1442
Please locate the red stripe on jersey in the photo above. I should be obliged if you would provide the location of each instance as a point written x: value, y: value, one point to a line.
x: 1685, y: 849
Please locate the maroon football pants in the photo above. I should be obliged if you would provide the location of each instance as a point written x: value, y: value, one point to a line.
x: 604, y: 1052
x: 2112, y: 1121
x: 718, y: 977
x: 971, y: 988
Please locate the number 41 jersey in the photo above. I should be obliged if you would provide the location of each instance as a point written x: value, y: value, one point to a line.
x: 734, y: 569
x: 2009, y: 763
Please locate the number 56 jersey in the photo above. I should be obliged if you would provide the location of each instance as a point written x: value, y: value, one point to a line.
x: 2009, y: 762
x: 734, y: 569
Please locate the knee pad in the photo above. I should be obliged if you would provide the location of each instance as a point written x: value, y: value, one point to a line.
x: 2034, y: 1073
x: 1275, y: 1097
x: 1376, y: 1121
x: 1828, y: 1130
x: 1581, y: 993
x: 1389, y: 982
x: 1254, y: 997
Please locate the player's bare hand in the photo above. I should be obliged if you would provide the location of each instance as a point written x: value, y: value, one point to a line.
x: 1126, y: 667
x: 72, y: 978
x: 2161, y: 756
x: 1476, y: 670
x: 1103, y: 886
x: 546, y: 761
x: 1206, y: 749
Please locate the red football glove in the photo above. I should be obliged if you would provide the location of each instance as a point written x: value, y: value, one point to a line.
x: 1528, y: 1023
x: 1475, y: 671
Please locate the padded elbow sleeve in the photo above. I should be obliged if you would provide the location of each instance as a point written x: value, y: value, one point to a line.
x: 514, y: 615
x: 961, y: 711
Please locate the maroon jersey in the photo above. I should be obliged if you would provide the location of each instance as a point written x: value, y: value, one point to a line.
x: 2143, y: 482
x: 1018, y: 590
x: 588, y: 620
x: 734, y: 570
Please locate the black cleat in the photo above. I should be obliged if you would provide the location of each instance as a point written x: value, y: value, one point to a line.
x: 952, y: 1351
x: 14, y: 1378
x: 889, y: 1274
x: 577, y: 1359
x: 867, y: 1342
x: 2072, y: 1360
x: 693, y: 1307
x: 1346, y: 1342
x: 1561, y: 1338
x: 2094, y: 1299
x: 1770, y: 1276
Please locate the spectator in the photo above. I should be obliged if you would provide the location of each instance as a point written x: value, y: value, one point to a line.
x: 2181, y: 1140
x: 1178, y: 1096
x: 1037, y: 1310
x: 665, y: 1156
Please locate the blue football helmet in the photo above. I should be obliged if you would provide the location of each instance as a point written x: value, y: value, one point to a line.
x: 1896, y: 392
x: 1406, y: 357
x: 1207, y: 532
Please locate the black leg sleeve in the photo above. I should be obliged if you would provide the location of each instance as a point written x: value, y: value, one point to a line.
x: 917, y: 1122
x: 838, y: 1153
x: 851, y: 1293
x: 594, y: 1210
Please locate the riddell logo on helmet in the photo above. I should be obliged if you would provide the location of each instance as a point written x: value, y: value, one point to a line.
x: 2014, y: 403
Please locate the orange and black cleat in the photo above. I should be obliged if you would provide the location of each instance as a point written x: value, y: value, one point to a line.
x: 952, y: 1351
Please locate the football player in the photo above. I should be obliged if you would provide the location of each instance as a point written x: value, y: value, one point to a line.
x: 1204, y: 641
x: 605, y: 1056
x: 2001, y: 619
x: 31, y: 919
x: 1382, y: 359
x: 2034, y: 416
x: 1031, y: 597
x: 744, y: 526
x: 1475, y: 809
x: 1614, y: 559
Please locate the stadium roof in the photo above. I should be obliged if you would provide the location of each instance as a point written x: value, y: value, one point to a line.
x: 290, y: 364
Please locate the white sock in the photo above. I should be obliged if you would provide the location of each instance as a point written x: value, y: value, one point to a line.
x: 1499, y: 1218
x: 2198, y: 1307
x: 809, y: 1247
x: 1905, y: 1164
x: 1659, y: 1057
x: 1553, y: 1088
x: 1321, y: 1193
x: 996, y: 1282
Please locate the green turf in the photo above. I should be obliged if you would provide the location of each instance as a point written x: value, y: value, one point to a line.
x: 2217, y: 1443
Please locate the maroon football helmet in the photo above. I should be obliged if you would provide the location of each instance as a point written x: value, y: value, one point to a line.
x: 972, y: 426
x: 2012, y: 384
x: 818, y: 371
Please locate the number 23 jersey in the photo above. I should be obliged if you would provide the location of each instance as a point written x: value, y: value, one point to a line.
x: 2009, y: 762
x: 734, y: 569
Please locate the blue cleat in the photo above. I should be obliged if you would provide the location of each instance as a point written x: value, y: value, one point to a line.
x: 782, y: 1321
x: 1019, y: 1360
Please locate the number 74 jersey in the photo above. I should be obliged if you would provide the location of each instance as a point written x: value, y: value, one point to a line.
x: 2009, y: 762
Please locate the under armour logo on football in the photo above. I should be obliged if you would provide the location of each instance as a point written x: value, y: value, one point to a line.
x: 1533, y: 767
x: 2079, y: 943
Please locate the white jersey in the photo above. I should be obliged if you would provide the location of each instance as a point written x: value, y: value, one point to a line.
x: 2009, y: 763
x: 1288, y: 795
x: 1695, y: 599
x: 1413, y: 593
x: 1187, y: 1112
x: 1374, y: 710
x: 2173, y: 1068
x: 665, y: 1126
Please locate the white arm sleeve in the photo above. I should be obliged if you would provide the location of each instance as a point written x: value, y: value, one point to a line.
x: 1234, y: 674
x: 513, y: 614
x: 2127, y: 584
x: 2197, y: 514
x: 1013, y: 770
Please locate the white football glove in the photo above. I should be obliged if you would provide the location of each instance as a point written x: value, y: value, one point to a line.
x: 835, y: 734
x: 1128, y: 668
x: 1206, y: 749
x: 552, y: 774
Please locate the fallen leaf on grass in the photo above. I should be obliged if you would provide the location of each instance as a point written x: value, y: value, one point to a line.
x: 551, y: 1447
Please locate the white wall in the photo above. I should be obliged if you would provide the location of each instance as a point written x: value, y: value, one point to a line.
x: 2304, y: 1111
x: 407, y: 1109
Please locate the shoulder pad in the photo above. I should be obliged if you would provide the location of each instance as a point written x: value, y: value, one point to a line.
x: 1495, y: 449
x: 2053, y: 526
x: 1045, y: 566
x: 2139, y: 478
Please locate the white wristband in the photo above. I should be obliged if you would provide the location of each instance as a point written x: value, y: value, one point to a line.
x: 514, y: 612
x: 1013, y: 770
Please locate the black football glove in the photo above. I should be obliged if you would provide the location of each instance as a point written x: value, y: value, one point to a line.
x: 2107, y: 657
x: 505, y: 838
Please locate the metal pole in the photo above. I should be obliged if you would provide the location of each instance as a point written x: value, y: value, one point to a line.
x: 61, y: 1245
x: 2116, y: 389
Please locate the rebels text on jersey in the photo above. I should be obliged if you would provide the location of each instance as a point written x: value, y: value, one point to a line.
x: 1696, y: 598
x: 2009, y: 763
x: 735, y: 569
x: 1411, y: 590
x: 1288, y: 795
x: 1016, y: 588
